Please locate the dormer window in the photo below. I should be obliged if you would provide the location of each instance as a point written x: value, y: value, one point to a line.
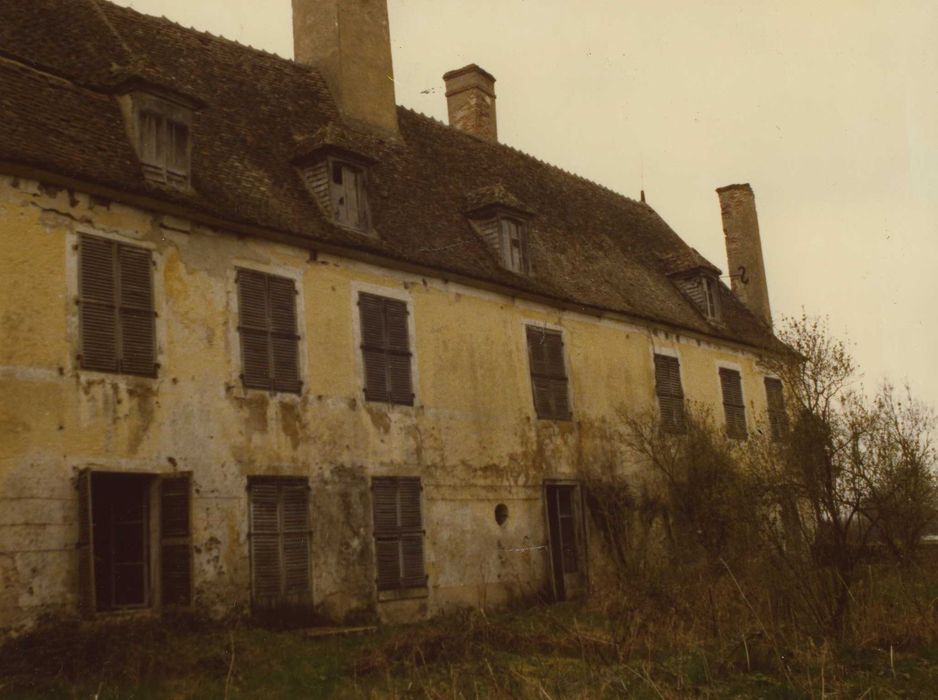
x: 161, y: 132
x: 349, y: 198
x: 503, y: 222
x: 513, y: 243
x: 710, y: 306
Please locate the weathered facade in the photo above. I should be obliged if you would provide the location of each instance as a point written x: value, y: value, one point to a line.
x: 186, y: 483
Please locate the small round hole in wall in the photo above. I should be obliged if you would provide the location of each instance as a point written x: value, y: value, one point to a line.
x: 501, y: 513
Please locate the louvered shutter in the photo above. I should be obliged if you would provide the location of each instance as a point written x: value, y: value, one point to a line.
x: 398, y: 532
x: 400, y: 389
x: 548, y: 374
x: 670, y: 392
x: 284, y: 339
x: 778, y: 416
x: 97, y: 304
x: 254, y: 329
x: 386, y: 355
x: 733, y: 405
x: 175, y: 540
x: 137, y: 331
x: 86, y: 592
x: 294, y: 503
x: 265, y: 543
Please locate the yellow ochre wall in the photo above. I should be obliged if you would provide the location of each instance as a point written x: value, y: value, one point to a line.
x: 472, y: 435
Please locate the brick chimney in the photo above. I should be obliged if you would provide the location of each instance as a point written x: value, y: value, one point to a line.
x: 470, y: 97
x: 744, y: 249
x: 349, y: 41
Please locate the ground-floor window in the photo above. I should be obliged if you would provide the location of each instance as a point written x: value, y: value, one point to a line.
x: 279, y: 513
x: 564, y: 535
x: 398, y: 530
x: 134, y: 540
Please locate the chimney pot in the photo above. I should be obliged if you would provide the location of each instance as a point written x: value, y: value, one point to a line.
x: 470, y: 98
x: 349, y: 42
x: 744, y: 249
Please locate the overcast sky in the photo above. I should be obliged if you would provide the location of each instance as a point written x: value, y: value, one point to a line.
x: 828, y: 109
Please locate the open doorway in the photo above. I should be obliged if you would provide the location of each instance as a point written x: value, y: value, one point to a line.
x: 562, y: 502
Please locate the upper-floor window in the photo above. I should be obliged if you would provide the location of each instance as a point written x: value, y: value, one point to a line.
x: 116, y: 314
x: 398, y: 532
x: 349, y: 196
x: 548, y: 373
x: 670, y: 393
x: 162, y: 137
x: 514, y: 244
x: 734, y: 407
x: 778, y: 416
x: 703, y: 290
x: 267, y: 326
x: 709, y: 291
x: 385, y: 349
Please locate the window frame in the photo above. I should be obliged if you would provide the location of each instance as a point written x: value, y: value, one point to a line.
x: 778, y: 415
x: 369, y: 352
x: 171, y: 118
x: 505, y: 237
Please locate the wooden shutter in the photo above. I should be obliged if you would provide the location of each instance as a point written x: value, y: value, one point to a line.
x: 279, y: 541
x: 116, y: 308
x: 398, y: 533
x: 284, y: 340
x: 548, y: 373
x: 98, y: 304
x: 175, y: 540
x: 294, y: 516
x: 778, y: 416
x: 86, y: 590
x: 386, y: 355
x: 137, y: 331
x: 670, y: 393
x: 268, y: 329
x: 265, y: 543
x: 733, y: 405
x: 566, y: 517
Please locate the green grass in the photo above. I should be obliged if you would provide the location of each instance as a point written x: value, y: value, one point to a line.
x: 560, y: 651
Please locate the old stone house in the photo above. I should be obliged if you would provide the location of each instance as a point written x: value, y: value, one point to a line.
x: 270, y: 342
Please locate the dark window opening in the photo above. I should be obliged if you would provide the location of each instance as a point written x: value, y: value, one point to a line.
x: 562, y: 534
x: 670, y: 393
x: 385, y: 349
x: 548, y: 373
x: 268, y: 330
x: 120, y: 523
x: 733, y: 406
x: 398, y: 531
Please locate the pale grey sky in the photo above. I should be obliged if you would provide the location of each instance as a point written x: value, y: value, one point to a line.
x: 829, y: 109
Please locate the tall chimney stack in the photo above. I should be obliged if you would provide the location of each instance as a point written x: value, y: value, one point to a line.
x: 470, y: 97
x: 744, y: 249
x: 349, y: 42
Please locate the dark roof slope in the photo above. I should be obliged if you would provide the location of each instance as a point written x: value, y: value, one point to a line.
x: 590, y: 246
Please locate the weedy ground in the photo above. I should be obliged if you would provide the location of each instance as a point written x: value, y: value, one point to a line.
x: 570, y: 650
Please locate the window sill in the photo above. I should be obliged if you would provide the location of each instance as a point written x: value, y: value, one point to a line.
x: 403, y: 594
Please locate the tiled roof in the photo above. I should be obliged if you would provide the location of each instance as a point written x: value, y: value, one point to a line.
x: 590, y: 247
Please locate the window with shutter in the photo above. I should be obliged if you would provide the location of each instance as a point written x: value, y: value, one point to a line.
x: 268, y: 330
x: 175, y: 540
x: 548, y: 373
x: 86, y: 593
x: 398, y: 531
x: 778, y: 416
x: 116, y: 314
x: 279, y: 512
x: 163, y: 143
x: 670, y: 393
x: 514, y: 244
x: 386, y: 356
x: 349, y: 198
x: 733, y: 405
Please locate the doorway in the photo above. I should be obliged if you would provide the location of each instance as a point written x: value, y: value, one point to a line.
x: 564, y: 539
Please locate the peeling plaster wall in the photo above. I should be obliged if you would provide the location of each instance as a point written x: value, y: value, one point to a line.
x: 472, y: 435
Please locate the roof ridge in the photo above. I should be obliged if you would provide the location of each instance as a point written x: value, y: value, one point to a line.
x: 202, y: 32
x: 530, y: 156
